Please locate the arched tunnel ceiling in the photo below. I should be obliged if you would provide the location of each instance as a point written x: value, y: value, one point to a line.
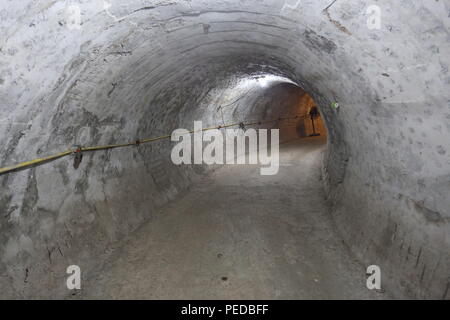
x: 133, y: 69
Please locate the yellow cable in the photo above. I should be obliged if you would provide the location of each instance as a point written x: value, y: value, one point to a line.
x: 30, y: 163
x: 34, y: 162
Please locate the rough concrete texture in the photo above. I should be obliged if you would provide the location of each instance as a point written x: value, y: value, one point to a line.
x: 143, y: 68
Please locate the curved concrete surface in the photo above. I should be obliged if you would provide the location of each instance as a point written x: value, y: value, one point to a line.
x: 132, y: 69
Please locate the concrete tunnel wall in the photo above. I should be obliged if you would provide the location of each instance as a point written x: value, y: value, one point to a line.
x: 143, y: 68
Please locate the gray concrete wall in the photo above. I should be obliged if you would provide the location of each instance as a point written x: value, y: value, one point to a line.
x: 143, y: 68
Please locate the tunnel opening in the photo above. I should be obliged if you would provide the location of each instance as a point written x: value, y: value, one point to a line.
x: 274, y: 102
x: 271, y: 96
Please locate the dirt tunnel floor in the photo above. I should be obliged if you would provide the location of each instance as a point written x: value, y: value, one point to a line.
x: 239, y: 235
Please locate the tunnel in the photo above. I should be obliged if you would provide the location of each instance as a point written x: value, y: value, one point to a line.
x: 368, y: 186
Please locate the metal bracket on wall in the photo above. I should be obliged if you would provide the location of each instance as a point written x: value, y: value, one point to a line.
x: 78, y: 157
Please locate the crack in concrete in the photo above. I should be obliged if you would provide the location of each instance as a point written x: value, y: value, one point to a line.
x: 335, y: 22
